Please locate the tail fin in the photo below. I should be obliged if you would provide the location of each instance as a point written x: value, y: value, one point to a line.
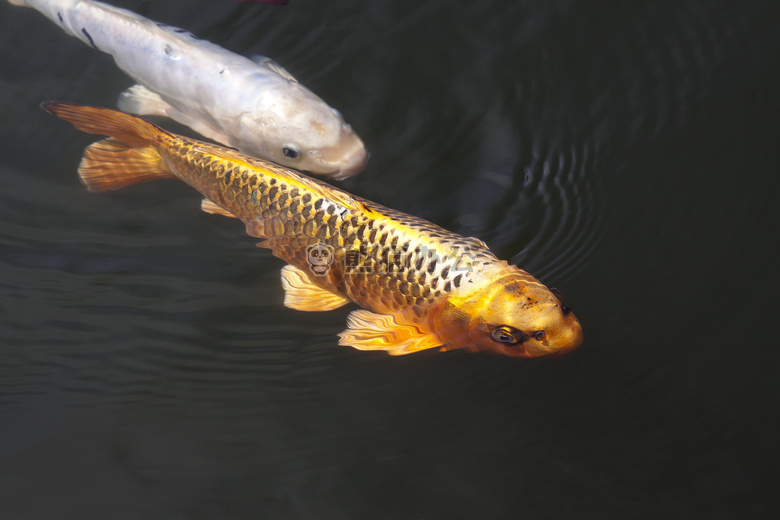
x: 127, y: 157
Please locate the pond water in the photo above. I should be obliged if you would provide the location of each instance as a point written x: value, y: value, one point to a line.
x: 624, y: 152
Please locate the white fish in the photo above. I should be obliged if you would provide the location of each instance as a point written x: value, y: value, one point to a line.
x: 255, y: 106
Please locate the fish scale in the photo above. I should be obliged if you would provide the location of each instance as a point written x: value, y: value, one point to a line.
x: 399, y: 259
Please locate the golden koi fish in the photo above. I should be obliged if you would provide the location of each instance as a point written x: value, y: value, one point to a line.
x: 420, y: 286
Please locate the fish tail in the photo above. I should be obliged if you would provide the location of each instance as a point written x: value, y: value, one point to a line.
x: 128, y: 157
x: 130, y: 129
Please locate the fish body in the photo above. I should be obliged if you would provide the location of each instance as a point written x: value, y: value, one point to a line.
x: 255, y: 106
x: 420, y: 285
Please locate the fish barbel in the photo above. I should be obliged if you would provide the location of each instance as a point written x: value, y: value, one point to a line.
x: 420, y: 286
x: 255, y: 106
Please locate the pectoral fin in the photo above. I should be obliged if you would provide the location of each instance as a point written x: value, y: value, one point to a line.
x: 302, y: 295
x: 369, y: 331
x: 142, y: 101
x: 199, y: 126
x: 209, y: 206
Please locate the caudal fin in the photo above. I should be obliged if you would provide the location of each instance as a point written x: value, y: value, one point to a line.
x: 127, y: 157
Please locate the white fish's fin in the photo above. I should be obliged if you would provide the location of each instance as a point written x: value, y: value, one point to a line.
x: 20, y: 3
x: 210, y: 206
x: 270, y: 64
x: 180, y: 33
x: 369, y: 331
x: 199, y: 126
x: 302, y: 295
x: 142, y: 101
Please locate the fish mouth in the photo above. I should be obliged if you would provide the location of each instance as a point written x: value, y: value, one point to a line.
x: 567, y: 339
x: 352, y: 169
x: 343, y: 160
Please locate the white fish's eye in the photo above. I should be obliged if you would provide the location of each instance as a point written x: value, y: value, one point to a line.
x: 291, y: 152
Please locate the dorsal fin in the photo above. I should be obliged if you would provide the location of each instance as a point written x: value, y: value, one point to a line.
x: 270, y: 64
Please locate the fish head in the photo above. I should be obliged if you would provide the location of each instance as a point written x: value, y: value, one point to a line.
x: 300, y: 131
x: 514, y: 315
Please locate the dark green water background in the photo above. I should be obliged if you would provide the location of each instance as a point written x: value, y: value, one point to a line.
x: 625, y: 152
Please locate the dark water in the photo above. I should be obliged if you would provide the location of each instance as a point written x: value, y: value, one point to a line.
x: 625, y: 152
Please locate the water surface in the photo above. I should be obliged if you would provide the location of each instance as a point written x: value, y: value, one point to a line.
x: 625, y: 153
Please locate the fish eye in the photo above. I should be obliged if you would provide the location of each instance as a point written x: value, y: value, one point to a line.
x: 508, y: 335
x: 291, y: 152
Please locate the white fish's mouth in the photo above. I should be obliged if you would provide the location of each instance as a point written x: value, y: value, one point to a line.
x: 353, y: 169
x: 344, y: 160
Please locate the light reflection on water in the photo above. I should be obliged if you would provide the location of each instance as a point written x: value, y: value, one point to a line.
x: 621, y: 152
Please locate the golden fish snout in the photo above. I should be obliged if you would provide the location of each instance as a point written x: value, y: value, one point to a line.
x: 562, y: 334
x: 516, y: 315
